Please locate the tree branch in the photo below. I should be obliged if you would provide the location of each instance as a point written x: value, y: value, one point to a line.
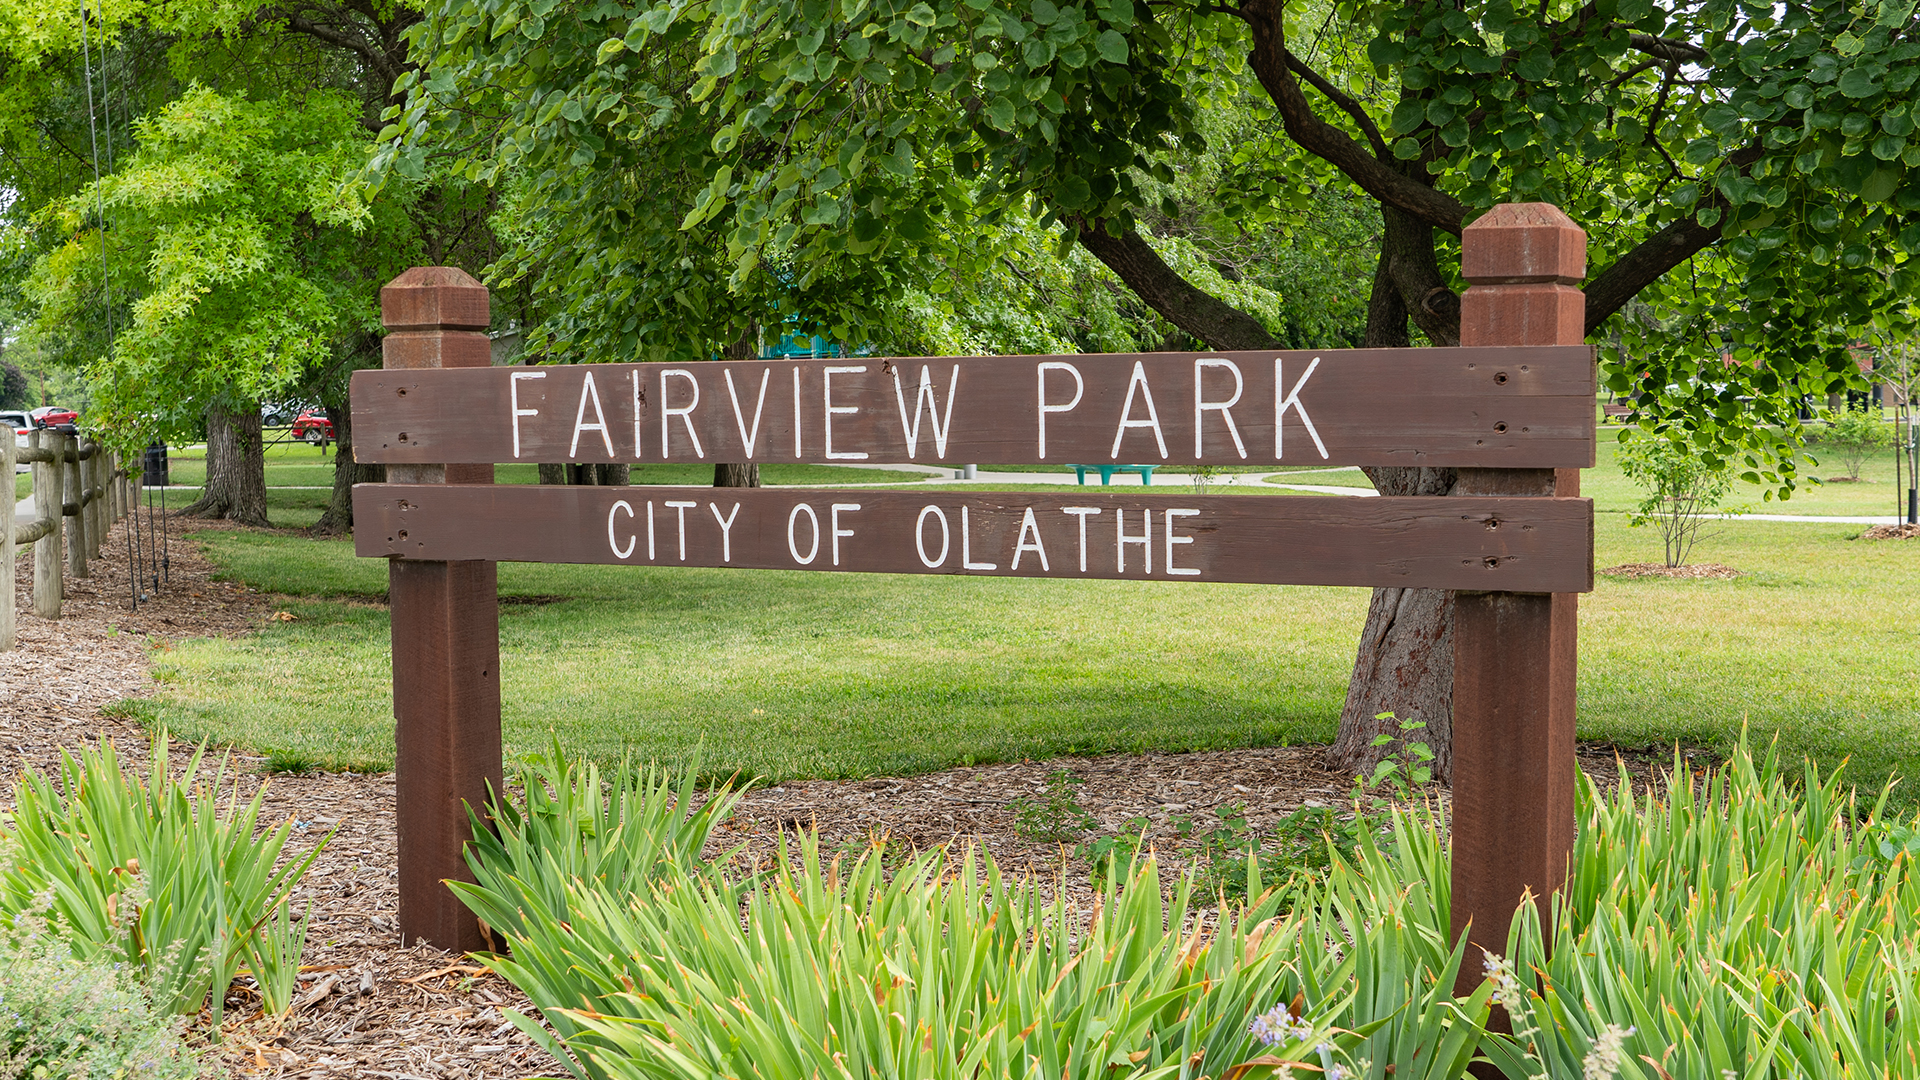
x: 1305, y: 127
x: 1214, y: 321
x: 1339, y: 97
x: 1667, y: 48
x: 353, y: 43
x: 1609, y: 290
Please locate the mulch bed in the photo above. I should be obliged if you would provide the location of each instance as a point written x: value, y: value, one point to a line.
x: 368, y: 1006
x: 1892, y: 532
x: 1662, y: 570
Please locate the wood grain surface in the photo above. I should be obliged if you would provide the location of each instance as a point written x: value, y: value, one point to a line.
x: 1505, y: 544
x: 1522, y: 407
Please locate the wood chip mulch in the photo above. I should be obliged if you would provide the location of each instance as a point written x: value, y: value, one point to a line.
x: 370, y: 1007
x: 1662, y: 570
x: 1892, y: 532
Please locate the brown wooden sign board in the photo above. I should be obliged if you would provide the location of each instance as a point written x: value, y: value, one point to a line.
x: 1498, y: 544
x: 1509, y: 407
x: 1494, y: 407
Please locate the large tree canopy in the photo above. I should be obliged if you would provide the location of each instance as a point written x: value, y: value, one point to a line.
x: 236, y: 237
x: 73, y: 81
x: 1746, y: 172
x: 849, y: 139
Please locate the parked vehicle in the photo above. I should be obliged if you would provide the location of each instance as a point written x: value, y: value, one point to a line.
x: 53, y: 416
x: 281, y: 413
x: 313, y: 428
x: 21, y: 423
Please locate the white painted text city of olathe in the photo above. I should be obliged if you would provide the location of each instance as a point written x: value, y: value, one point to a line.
x: 656, y: 531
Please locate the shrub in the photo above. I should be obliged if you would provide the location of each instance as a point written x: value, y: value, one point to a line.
x: 1855, y: 433
x: 578, y: 825
x: 1056, y: 816
x: 1745, y: 924
x: 65, y: 1017
x: 157, y: 876
x: 1750, y: 923
x: 943, y: 968
x: 1682, y: 489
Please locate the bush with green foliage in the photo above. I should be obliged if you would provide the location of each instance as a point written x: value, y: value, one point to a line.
x: 1682, y: 488
x: 1854, y: 433
x: 63, y: 1017
x: 1055, y: 814
x: 578, y: 824
x: 1743, y: 924
x: 13, y: 387
x: 166, y: 876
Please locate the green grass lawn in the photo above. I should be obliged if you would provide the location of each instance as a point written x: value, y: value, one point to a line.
x: 788, y: 674
x: 794, y: 674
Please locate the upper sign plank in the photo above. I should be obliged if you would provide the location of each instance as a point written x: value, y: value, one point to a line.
x: 1516, y: 407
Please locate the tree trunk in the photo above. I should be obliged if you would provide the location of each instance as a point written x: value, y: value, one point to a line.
x: 236, y: 488
x: 731, y: 475
x: 734, y: 474
x: 1404, y: 665
x: 347, y: 472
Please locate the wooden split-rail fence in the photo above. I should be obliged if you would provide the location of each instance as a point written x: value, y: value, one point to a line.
x: 80, y: 490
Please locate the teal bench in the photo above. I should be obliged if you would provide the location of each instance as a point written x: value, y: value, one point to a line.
x: 1107, y: 471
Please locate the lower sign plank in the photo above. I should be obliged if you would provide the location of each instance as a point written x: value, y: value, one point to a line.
x: 1494, y: 544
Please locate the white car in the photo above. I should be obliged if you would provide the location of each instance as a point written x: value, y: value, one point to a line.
x: 21, y: 423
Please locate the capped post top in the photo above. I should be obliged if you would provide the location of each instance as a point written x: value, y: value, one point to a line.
x: 1516, y: 243
x: 434, y: 298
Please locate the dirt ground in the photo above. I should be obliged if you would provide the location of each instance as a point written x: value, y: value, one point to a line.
x: 368, y: 1006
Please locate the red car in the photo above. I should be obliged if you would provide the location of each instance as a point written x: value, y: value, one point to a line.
x: 53, y: 415
x: 313, y: 428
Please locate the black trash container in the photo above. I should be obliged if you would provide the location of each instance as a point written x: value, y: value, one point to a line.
x: 155, y: 472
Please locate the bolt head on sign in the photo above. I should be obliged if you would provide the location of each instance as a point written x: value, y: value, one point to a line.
x: 434, y: 298
x: 1517, y: 243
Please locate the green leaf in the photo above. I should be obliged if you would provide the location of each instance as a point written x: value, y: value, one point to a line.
x: 1407, y: 117
x: 609, y: 49
x: 1045, y: 13
x: 1112, y: 46
x: 1880, y: 186
x: 1000, y: 114
x: 1859, y: 82
x: 1535, y: 65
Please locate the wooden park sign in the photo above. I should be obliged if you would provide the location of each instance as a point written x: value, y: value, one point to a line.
x: 1513, y: 409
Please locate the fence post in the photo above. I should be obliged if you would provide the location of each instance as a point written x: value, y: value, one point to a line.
x: 102, y: 515
x: 1514, y: 654
x: 90, y: 496
x: 72, y: 493
x: 446, y: 635
x: 8, y: 451
x: 47, y: 583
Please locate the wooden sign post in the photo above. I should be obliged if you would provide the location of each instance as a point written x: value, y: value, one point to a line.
x: 1511, y: 406
x: 1515, y: 653
x: 446, y: 632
